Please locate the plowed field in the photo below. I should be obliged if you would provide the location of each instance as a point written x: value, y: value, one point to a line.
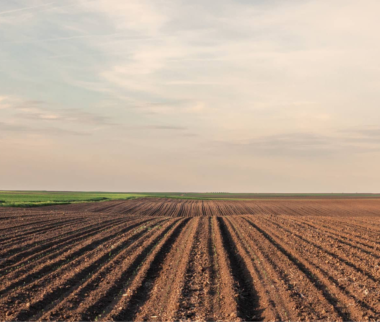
x: 164, y: 260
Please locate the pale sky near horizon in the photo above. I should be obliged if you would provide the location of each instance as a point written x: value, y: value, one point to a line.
x: 151, y: 95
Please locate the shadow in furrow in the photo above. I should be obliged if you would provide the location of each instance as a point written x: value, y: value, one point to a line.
x: 141, y: 295
x: 248, y: 299
x: 314, y: 279
x: 69, y: 284
x: 54, y: 266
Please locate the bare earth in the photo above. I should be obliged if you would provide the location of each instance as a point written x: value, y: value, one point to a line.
x: 164, y: 260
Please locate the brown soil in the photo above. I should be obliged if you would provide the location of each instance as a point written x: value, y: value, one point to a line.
x: 165, y: 260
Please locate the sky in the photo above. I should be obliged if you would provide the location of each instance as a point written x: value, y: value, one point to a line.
x: 208, y: 96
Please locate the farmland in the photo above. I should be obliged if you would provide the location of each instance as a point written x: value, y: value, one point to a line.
x: 49, y: 198
x: 170, y: 259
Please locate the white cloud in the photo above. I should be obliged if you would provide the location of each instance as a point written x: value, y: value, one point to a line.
x: 6, y: 12
x: 237, y: 71
x: 3, y: 102
x: 7, y: 102
x: 132, y: 15
x: 267, y: 48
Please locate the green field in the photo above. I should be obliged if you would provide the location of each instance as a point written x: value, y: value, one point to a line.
x: 46, y: 198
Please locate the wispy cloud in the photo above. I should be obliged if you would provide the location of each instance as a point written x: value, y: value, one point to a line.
x: 168, y: 107
x: 309, y: 145
x: 65, y: 115
x: 43, y: 111
x: 28, y: 8
x: 370, y: 132
x: 5, y: 102
x: 159, y: 127
x: 25, y: 130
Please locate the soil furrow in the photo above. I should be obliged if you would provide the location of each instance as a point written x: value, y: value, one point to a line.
x: 334, y: 263
x: 164, y: 296
x: 166, y: 259
x: 92, y: 292
x: 248, y: 305
x: 271, y: 299
x: 64, y: 261
x: 137, y: 291
x: 76, y: 276
x: 343, y: 303
x: 29, y: 257
x: 301, y: 295
x: 195, y: 298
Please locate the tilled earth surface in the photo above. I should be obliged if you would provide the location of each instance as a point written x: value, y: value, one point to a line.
x: 165, y: 260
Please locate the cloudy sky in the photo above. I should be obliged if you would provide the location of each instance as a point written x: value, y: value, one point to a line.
x: 174, y: 95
